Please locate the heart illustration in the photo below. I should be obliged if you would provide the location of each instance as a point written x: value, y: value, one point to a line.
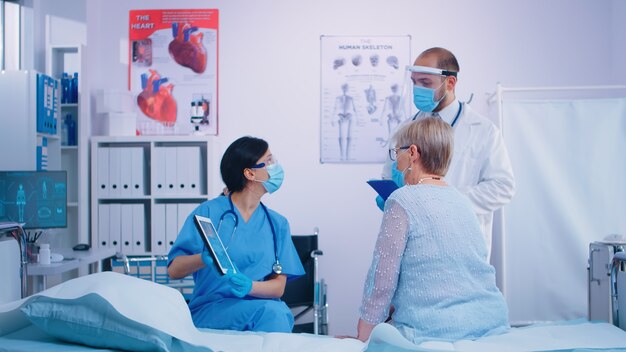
x: 187, y: 49
x: 156, y: 100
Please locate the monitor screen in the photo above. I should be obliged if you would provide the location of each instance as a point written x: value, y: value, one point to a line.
x: 36, y: 199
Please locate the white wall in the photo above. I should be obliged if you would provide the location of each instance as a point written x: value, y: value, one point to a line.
x: 618, y: 40
x: 269, y: 87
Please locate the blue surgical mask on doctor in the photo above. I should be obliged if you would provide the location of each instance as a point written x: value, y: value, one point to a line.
x: 276, y: 176
x: 424, y: 98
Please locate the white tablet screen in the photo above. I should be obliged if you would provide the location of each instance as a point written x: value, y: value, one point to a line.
x: 213, y: 242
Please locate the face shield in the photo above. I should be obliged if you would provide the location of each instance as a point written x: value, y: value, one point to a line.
x: 422, y: 86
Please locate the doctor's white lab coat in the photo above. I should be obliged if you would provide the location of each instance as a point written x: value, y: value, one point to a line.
x: 480, y: 167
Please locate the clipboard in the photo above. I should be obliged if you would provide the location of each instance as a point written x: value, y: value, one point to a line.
x: 384, y: 188
x: 213, y: 242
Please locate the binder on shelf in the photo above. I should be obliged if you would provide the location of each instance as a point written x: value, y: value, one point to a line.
x: 170, y: 170
x: 137, y: 173
x: 115, y: 175
x: 193, y: 171
x: 126, y: 169
x: 171, y: 225
x: 158, y: 171
x: 103, y: 226
x: 139, y: 225
x: 158, y: 230
x: 115, y: 227
x: 182, y: 178
x: 102, y: 171
x: 126, y: 228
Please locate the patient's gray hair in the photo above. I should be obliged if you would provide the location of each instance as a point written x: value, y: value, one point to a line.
x: 433, y: 139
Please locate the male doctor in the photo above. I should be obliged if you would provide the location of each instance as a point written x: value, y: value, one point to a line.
x: 480, y: 167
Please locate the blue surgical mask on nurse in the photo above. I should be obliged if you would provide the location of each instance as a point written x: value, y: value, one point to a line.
x: 276, y: 177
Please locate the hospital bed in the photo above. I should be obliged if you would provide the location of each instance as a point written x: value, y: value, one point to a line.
x: 111, y: 311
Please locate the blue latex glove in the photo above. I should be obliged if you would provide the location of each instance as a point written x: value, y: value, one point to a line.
x: 380, y: 203
x: 206, y: 258
x: 240, y: 284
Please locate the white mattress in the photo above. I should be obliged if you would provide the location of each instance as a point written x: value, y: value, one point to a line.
x: 142, y: 301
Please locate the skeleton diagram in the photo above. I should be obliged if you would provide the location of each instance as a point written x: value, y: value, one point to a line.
x: 393, y: 109
x: 370, y: 96
x: 345, y: 111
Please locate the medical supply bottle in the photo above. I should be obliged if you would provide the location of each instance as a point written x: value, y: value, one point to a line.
x: 71, y: 130
x: 64, y: 133
x: 65, y: 88
x: 74, y: 90
x: 44, y: 254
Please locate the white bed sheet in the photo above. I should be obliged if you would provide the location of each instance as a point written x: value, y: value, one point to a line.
x: 164, y: 309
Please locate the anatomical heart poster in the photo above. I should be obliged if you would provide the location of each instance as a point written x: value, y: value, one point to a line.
x: 173, y: 70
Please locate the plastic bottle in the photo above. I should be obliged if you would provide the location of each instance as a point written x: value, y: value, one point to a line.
x: 65, y: 88
x: 44, y: 254
x: 64, y: 133
x: 75, y: 88
x: 71, y: 130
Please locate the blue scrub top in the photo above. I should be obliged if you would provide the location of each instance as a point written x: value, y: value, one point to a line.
x: 250, y: 247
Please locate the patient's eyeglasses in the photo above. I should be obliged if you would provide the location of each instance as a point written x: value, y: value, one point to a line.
x: 393, y: 152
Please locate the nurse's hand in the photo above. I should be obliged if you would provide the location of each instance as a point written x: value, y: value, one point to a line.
x: 206, y: 258
x: 240, y: 284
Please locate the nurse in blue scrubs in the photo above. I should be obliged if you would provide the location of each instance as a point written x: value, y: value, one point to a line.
x: 256, y: 239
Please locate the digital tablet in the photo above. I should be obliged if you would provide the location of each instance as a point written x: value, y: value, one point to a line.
x: 214, y: 244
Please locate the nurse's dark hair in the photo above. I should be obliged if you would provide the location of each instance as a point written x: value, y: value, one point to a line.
x: 445, y: 58
x: 240, y: 155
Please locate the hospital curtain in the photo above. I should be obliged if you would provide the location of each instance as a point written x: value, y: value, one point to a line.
x: 570, y: 170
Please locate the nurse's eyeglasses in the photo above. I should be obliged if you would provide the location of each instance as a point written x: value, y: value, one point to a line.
x: 268, y: 162
x: 393, y: 152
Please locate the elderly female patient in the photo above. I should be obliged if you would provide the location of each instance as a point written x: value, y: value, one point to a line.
x: 430, y: 269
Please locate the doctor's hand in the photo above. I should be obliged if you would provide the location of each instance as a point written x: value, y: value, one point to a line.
x: 206, y: 258
x: 240, y: 284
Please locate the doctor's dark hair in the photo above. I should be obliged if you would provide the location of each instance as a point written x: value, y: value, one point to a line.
x: 240, y: 155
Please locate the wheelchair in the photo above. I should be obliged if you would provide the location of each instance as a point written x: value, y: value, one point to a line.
x: 308, y: 293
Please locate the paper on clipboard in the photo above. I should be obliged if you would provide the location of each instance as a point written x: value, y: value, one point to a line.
x: 384, y: 188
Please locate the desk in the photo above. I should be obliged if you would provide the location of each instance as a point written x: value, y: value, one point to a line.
x: 71, y: 260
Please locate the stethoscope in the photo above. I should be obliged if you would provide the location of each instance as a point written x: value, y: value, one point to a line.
x: 453, y: 121
x: 277, y: 268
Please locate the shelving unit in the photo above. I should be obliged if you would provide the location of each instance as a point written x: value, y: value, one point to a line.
x: 143, y: 188
x: 74, y: 158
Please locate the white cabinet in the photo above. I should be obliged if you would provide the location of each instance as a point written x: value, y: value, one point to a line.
x: 20, y: 142
x: 143, y: 188
x: 74, y: 158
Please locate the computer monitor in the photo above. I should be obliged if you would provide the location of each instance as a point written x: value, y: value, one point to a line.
x: 36, y: 199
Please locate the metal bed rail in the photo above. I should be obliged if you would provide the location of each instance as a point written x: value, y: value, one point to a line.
x: 15, y: 230
x: 152, y: 268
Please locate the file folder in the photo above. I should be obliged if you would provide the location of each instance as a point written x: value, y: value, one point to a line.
x: 158, y: 230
